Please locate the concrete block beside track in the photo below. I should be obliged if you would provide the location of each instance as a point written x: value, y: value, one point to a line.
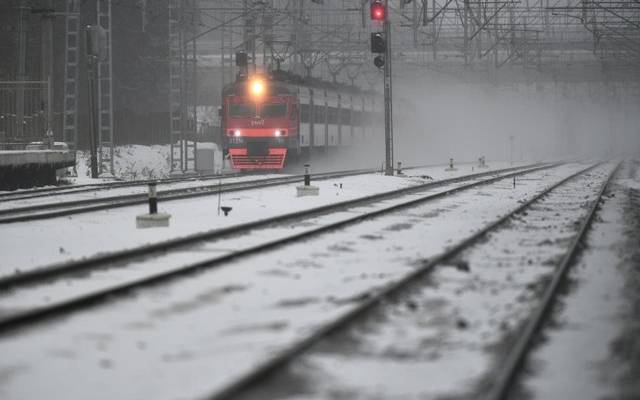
x: 29, y: 168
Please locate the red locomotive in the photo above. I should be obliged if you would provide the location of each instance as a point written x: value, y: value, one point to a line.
x: 260, y: 123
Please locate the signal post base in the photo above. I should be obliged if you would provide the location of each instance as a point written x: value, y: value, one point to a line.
x: 159, y: 220
x: 307, y: 191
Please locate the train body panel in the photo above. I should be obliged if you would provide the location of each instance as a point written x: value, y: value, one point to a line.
x: 265, y: 122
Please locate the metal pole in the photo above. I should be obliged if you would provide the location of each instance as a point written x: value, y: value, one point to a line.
x: 222, y: 59
x: 245, y: 28
x: 46, y: 69
x: 49, y: 133
x: 326, y: 125
x: 49, y: 72
x: 511, y: 149
x: 496, y: 33
x: 465, y: 19
x: 153, y: 198
x: 415, y: 23
x: 388, y: 109
x: 434, y: 29
x: 91, y: 71
x: 195, y: 105
x: 71, y: 76
x: 109, y: 102
x: 298, y: 33
x: 183, y: 90
x: 312, y: 122
x: 339, y: 121
x: 22, y: 54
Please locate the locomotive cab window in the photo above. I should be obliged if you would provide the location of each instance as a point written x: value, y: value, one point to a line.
x: 242, y: 110
x: 273, y: 110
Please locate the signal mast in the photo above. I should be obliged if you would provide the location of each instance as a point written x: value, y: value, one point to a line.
x: 381, y: 45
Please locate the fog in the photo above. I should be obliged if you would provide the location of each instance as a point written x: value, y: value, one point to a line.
x: 583, y: 104
x: 436, y: 119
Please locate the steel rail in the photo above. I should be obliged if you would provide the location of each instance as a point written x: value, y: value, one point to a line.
x: 55, y: 270
x: 515, y: 358
x: 269, y: 366
x: 30, y: 316
x: 61, y: 209
x: 88, y: 187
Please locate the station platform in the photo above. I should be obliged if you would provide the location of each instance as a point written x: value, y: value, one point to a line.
x: 32, y: 167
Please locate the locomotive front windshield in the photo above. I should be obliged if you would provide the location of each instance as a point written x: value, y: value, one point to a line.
x: 245, y: 110
x: 273, y: 110
x: 250, y: 110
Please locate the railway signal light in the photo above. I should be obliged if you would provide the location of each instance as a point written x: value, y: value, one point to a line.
x: 241, y: 59
x: 378, y: 10
x: 378, y: 43
x: 378, y: 61
x: 378, y: 46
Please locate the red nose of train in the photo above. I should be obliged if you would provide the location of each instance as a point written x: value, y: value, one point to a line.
x: 252, y: 157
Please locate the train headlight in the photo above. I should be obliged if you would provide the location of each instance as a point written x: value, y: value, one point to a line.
x: 256, y: 86
x: 277, y: 132
x: 237, y: 133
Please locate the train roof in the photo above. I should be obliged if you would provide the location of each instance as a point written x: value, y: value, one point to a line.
x: 240, y: 87
x: 286, y: 83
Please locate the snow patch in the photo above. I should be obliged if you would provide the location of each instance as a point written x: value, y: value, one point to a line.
x: 136, y: 162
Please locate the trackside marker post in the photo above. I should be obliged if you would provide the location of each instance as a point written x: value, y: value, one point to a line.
x: 399, y: 171
x: 219, y: 194
x: 451, y: 167
x: 153, y: 219
x: 307, y: 176
x: 307, y: 189
x: 153, y: 198
x: 482, y: 162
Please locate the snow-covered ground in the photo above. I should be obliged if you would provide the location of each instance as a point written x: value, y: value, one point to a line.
x: 130, y: 162
x: 195, y: 335
x: 82, y: 193
x: 202, y: 252
x: 33, y: 244
x: 137, y: 162
x: 592, y: 348
x: 443, y: 330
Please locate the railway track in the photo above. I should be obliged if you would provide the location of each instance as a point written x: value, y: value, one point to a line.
x: 72, y: 207
x: 251, y: 384
x: 512, y: 364
x: 93, y: 187
x: 23, y: 296
x: 29, y: 194
x: 208, y: 312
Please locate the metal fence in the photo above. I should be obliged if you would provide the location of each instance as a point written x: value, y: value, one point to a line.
x: 25, y: 112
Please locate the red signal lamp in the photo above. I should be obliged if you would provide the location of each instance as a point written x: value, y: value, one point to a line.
x: 378, y: 10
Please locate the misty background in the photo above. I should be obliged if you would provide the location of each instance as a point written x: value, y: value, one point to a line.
x: 529, y: 71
